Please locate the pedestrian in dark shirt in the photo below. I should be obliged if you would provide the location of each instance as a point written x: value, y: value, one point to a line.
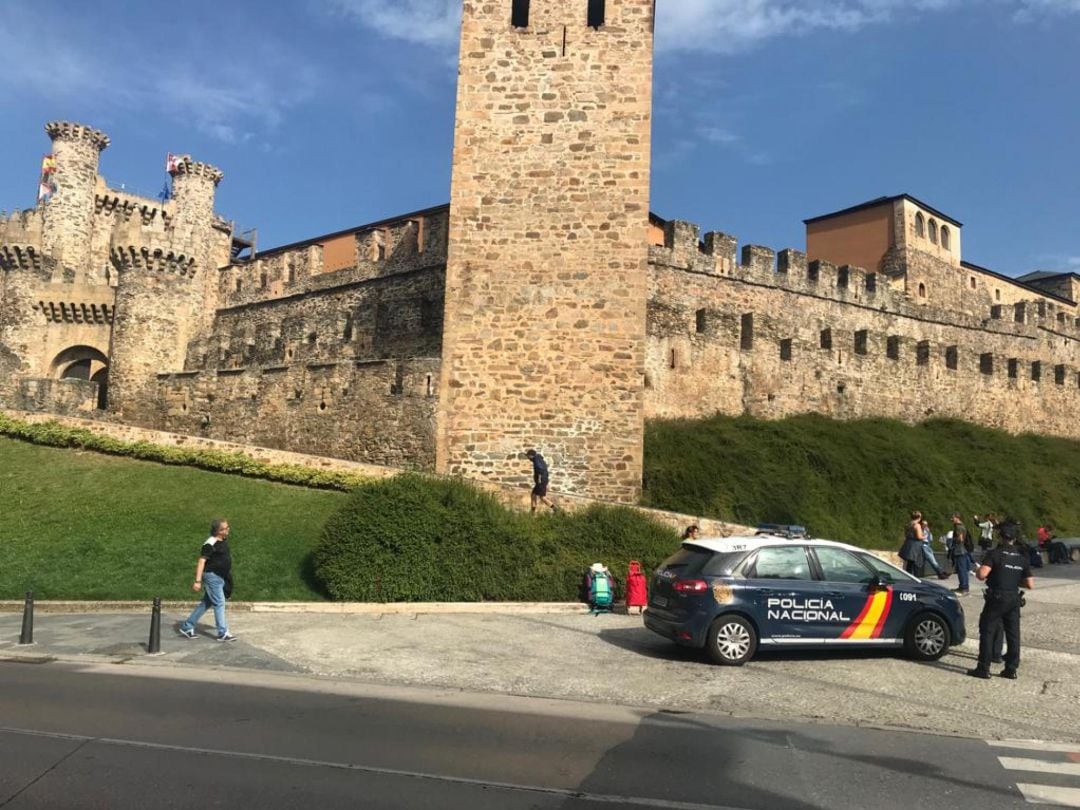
x: 1005, y: 570
x: 960, y: 554
x: 541, y: 477
x: 213, y: 577
x: 911, y: 552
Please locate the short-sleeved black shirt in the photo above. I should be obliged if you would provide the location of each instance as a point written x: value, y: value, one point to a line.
x: 217, y: 556
x: 1009, y: 566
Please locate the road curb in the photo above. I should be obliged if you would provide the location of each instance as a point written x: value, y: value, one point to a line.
x: 337, y: 608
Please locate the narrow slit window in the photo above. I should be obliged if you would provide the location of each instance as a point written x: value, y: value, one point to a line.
x: 746, y: 332
x: 952, y: 358
x: 922, y: 353
x: 1059, y: 375
x: 596, y: 13
x: 986, y: 363
x: 519, y: 14
x: 892, y: 347
x: 700, y: 321
x: 785, y: 349
x: 826, y: 339
x: 1036, y: 371
x: 862, y: 339
x: 1014, y: 368
x: 674, y: 359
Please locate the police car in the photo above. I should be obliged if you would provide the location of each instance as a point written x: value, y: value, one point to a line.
x: 734, y: 594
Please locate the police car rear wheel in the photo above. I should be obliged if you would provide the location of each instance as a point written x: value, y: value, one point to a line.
x: 732, y: 641
x: 927, y: 637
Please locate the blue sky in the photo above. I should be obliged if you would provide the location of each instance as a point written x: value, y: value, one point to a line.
x: 326, y: 114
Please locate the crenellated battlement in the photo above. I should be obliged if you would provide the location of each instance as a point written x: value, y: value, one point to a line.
x: 121, y: 206
x: 193, y: 168
x: 71, y: 131
x: 156, y: 260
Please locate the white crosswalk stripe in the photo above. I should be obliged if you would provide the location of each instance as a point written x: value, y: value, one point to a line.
x: 1044, y: 760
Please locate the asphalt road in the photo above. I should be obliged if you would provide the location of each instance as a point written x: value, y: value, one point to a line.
x: 98, y: 736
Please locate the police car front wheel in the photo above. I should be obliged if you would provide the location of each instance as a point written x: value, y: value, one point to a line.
x: 732, y: 641
x: 927, y: 637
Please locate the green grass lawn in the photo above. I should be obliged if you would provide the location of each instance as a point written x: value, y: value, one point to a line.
x: 76, y: 525
x: 857, y: 481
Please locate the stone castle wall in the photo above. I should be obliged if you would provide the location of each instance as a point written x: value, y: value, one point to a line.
x: 546, y: 272
x: 772, y: 336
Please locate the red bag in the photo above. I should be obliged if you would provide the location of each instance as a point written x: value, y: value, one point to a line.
x: 636, y: 591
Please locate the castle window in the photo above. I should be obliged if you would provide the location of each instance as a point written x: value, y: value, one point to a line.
x: 347, y: 332
x: 986, y: 363
x: 997, y: 295
x: 674, y: 359
x: 785, y: 349
x: 380, y: 252
x: 826, y: 339
x: 920, y: 225
x: 971, y: 281
x: 239, y: 285
x: 1061, y: 318
x: 746, y: 332
x: 952, y: 357
x: 862, y: 339
x: 922, y: 290
x: 922, y: 353
x: 262, y: 281
x: 871, y: 282
x: 596, y: 13
x: 946, y: 239
x: 1014, y: 368
x: 842, y: 278
x: 291, y: 277
x: 1036, y: 371
x: 699, y: 318
x: 933, y: 231
x: 519, y: 14
x: 892, y: 347
x: 430, y: 390
x: 1059, y: 374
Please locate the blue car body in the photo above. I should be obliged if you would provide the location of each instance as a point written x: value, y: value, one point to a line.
x: 797, y: 593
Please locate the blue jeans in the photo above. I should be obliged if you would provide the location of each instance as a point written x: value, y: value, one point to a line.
x: 213, y: 596
x: 931, y: 560
x: 963, y: 570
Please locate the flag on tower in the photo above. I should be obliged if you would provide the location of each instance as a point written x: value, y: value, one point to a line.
x: 166, y: 192
x: 173, y: 163
x: 46, y: 190
x: 48, y: 165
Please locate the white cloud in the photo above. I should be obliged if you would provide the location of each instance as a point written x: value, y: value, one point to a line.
x: 231, y: 96
x: 426, y: 22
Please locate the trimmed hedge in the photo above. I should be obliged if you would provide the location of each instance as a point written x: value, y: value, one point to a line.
x: 857, y: 481
x: 419, y: 539
x: 53, y: 434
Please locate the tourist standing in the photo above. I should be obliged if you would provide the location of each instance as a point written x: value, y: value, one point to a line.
x: 912, y: 550
x: 213, y: 577
x: 960, y: 553
x: 928, y: 549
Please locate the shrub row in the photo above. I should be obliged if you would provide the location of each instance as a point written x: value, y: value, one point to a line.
x: 419, y: 539
x: 53, y: 434
x: 856, y: 481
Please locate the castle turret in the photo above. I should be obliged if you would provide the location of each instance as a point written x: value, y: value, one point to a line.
x: 69, y: 213
x: 160, y: 293
x: 546, y: 279
x: 24, y: 270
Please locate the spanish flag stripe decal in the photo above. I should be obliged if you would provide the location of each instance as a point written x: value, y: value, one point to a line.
x: 872, y: 619
x: 884, y: 615
x: 854, y: 625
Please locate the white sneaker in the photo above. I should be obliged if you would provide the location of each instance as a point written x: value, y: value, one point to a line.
x: 186, y: 633
x: 227, y: 637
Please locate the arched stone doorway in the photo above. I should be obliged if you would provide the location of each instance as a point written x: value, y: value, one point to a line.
x: 84, y: 363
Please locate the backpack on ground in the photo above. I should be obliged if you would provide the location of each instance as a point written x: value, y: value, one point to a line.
x: 601, y: 589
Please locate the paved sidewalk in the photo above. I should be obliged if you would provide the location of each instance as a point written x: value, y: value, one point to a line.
x: 613, y: 658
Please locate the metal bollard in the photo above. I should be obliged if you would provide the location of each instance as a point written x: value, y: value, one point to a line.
x: 27, y: 635
x: 154, y: 647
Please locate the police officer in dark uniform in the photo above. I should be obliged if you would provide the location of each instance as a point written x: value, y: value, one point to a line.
x: 1004, y: 570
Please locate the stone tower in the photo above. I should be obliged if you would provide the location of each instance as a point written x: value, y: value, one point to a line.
x: 69, y: 215
x: 163, y: 274
x: 546, y: 270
